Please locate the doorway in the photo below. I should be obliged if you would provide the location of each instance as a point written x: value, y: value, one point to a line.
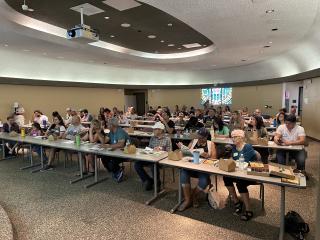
x: 300, y: 103
x: 136, y: 98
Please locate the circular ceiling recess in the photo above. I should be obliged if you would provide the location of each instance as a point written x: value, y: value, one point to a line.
x: 133, y: 22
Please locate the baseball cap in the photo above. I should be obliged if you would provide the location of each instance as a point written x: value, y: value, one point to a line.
x: 158, y: 125
x: 114, y: 121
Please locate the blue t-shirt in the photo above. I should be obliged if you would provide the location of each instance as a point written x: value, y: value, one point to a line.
x: 248, y: 153
x: 118, y: 135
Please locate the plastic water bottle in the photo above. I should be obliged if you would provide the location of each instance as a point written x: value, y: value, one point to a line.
x: 127, y: 143
x: 78, y: 140
x: 241, y: 162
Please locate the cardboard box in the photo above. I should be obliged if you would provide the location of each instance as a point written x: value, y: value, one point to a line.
x: 228, y: 165
x: 175, y: 155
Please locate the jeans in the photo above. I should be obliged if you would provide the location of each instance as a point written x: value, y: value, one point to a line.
x: 144, y: 176
x: 299, y: 156
x: 204, y: 178
x: 111, y: 164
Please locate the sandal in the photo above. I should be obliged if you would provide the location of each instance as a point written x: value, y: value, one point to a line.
x: 246, y: 216
x: 238, y: 208
x: 183, y: 206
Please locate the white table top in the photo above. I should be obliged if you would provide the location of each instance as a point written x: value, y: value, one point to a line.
x: 210, y: 168
x: 271, y: 144
x: 86, y: 148
x: 136, y: 126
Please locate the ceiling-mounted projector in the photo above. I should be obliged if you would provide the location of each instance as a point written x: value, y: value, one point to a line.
x: 83, y: 33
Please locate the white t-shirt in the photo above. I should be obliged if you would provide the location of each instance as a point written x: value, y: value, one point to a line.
x: 292, y: 135
x: 41, y: 119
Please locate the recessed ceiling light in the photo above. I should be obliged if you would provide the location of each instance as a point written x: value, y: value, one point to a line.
x: 270, y: 11
x: 171, y: 45
x: 270, y: 42
x: 112, y: 36
x: 179, y: 48
x: 274, y: 29
x: 107, y: 18
x: 191, y: 45
x: 162, y: 41
x: 266, y: 46
x: 6, y: 45
x: 125, y: 25
x: 152, y: 36
x: 170, y: 24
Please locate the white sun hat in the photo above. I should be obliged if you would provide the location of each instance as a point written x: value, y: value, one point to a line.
x: 158, y: 125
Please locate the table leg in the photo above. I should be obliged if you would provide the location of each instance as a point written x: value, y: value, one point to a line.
x: 282, y: 212
x: 41, y: 161
x: 156, y: 194
x: 96, y: 176
x: 179, y: 194
x: 3, y: 150
x: 31, y: 162
x: 81, y: 170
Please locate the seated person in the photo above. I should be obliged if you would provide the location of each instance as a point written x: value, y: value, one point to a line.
x: 209, y: 151
x: 245, y: 112
x: 19, y: 117
x: 181, y: 122
x: 198, y: 114
x: 117, y: 139
x: 85, y: 116
x: 221, y: 130
x: 10, y: 126
x: 159, y: 142
x: 291, y: 134
x: 40, y: 118
x: 193, y: 124
x: 236, y: 121
x: 169, y: 124
x: 95, y: 135
x: 226, y: 111
x: 240, y: 148
x: 37, y: 131
x: 210, y: 118
x: 279, y: 120
x: 58, y: 131
x: 256, y: 125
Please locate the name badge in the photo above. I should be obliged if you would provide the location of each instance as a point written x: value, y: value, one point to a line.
x: 235, y: 154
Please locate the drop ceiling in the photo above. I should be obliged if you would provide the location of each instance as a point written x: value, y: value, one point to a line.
x: 239, y: 30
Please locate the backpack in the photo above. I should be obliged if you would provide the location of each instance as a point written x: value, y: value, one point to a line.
x: 295, y: 225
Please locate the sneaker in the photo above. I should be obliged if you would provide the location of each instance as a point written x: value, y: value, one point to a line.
x: 47, y: 168
x: 118, y: 176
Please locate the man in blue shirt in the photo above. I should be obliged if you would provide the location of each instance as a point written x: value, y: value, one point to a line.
x: 117, y: 139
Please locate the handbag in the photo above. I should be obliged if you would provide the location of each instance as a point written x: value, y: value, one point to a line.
x: 295, y: 225
x: 215, y: 199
